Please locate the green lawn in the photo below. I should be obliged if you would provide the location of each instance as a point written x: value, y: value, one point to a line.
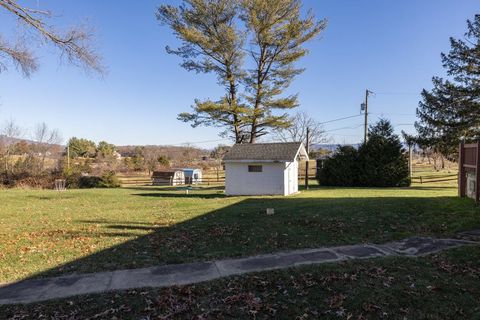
x: 444, y: 286
x: 45, y: 233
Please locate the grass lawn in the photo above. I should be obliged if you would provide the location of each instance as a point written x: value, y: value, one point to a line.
x: 45, y: 233
x: 444, y: 286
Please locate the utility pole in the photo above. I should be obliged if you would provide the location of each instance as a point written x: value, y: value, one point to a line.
x: 410, y: 160
x: 365, y: 109
x: 307, y: 164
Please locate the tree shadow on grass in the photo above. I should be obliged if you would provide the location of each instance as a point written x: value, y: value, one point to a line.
x: 243, y: 229
x: 182, y: 194
x: 50, y: 197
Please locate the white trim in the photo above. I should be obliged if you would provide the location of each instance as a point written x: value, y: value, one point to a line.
x: 305, y: 154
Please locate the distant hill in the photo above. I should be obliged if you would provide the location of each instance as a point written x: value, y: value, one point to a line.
x: 172, y: 152
x: 7, y: 140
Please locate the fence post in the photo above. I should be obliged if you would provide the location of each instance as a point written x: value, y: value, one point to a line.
x: 410, y: 161
x: 461, y: 170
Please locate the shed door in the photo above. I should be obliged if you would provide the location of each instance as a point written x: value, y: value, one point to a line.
x: 290, y: 179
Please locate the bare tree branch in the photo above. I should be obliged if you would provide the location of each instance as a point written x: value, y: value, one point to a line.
x: 21, y: 57
x: 45, y: 139
x: 297, y: 131
x: 8, y: 134
x: 75, y: 44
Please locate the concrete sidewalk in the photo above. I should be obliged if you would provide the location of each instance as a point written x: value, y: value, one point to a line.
x: 35, y: 290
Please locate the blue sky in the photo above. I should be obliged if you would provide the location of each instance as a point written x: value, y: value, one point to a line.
x: 390, y: 47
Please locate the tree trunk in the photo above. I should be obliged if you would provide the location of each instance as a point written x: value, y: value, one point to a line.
x: 261, y: 64
x: 233, y: 105
x: 253, y: 138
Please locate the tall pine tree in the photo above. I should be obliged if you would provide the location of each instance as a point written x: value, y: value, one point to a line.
x: 218, y: 36
x: 450, y: 112
x: 278, y: 33
x: 211, y: 43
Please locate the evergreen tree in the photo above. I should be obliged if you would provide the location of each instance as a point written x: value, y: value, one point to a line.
x: 105, y: 149
x: 214, y: 40
x: 382, y: 160
x: 450, y: 112
x: 278, y: 33
x: 340, y: 170
x: 81, y: 148
x: 211, y: 43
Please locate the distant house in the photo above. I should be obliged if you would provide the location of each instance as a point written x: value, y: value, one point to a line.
x: 168, y: 177
x: 192, y: 176
x: 263, y: 168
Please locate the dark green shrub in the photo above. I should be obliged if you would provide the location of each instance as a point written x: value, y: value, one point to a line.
x: 109, y: 180
x: 87, y: 182
x: 72, y: 179
x: 75, y: 172
x: 380, y: 162
x: 341, y: 169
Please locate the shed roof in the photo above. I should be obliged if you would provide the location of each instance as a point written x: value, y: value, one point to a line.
x: 285, y: 151
x: 165, y: 173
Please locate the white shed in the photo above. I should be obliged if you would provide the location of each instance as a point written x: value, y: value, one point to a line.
x: 263, y: 168
x: 192, y: 176
x: 168, y: 177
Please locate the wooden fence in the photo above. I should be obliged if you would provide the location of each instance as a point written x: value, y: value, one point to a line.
x: 147, y: 181
x: 435, y: 178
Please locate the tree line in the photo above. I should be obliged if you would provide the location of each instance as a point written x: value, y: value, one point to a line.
x: 36, y: 157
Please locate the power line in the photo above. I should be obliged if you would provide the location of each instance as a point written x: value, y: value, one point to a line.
x: 360, y: 125
x: 393, y: 114
x: 345, y: 135
x: 340, y: 119
x: 397, y: 93
x: 404, y: 124
x: 345, y: 128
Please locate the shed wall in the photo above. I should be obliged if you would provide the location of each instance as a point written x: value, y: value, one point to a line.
x: 238, y: 181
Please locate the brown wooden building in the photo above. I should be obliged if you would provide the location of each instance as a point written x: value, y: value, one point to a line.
x: 469, y: 171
